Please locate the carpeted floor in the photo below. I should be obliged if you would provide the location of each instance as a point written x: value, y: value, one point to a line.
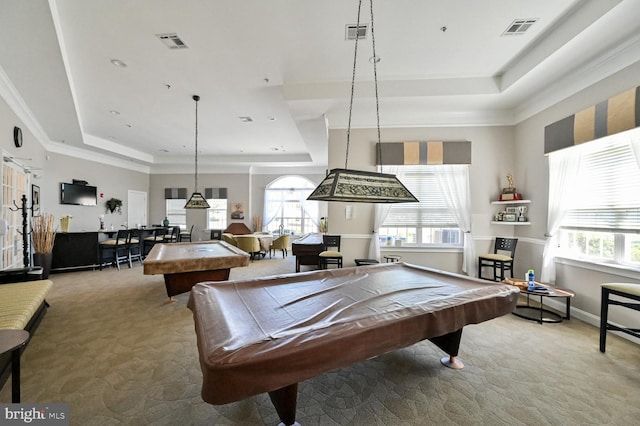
x: 113, y: 349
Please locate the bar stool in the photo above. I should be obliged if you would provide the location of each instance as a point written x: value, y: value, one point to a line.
x: 622, y: 290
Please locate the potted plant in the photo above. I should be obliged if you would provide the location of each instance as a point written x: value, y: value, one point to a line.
x: 113, y: 205
x: 42, y: 236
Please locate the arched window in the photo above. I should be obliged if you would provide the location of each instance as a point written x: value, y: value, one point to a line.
x: 286, y: 209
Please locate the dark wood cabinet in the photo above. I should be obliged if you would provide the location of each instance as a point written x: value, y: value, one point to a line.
x: 75, y: 250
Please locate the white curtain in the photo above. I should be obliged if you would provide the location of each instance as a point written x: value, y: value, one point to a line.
x: 274, y: 200
x: 380, y: 213
x: 563, y: 175
x: 273, y: 204
x: 454, y: 183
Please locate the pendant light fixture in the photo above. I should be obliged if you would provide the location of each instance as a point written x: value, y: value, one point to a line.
x: 362, y: 186
x: 196, y: 201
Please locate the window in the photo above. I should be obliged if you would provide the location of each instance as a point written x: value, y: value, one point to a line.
x: 286, y: 206
x: 603, y: 223
x: 216, y: 214
x: 176, y: 212
x: 429, y: 222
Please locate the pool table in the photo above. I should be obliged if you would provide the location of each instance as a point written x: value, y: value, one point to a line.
x: 268, y: 334
x: 186, y: 264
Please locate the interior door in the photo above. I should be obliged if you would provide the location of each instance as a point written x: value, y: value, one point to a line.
x: 137, y: 210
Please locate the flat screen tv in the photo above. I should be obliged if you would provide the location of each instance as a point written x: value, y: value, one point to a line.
x: 81, y: 195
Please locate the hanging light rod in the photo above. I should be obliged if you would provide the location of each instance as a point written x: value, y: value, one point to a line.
x: 362, y: 186
x: 197, y: 201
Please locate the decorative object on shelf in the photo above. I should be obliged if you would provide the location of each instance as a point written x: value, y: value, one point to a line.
x: 165, y: 222
x: 65, y: 221
x: 521, y: 211
x: 356, y: 185
x: 196, y: 201
x: 509, y: 217
x: 114, y: 205
x: 43, y: 236
x: 511, y: 192
x: 101, y: 219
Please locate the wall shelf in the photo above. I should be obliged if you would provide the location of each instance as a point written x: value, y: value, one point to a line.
x: 493, y: 222
x: 512, y: 202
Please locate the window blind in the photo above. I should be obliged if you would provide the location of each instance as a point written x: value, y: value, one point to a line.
x: 431, y: 210
x: 607, y: 196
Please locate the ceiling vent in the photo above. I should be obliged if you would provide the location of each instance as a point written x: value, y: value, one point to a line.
x: 246, y: 119
x: 172, y: 41
x: 519, y: 26
x: 351, y: 31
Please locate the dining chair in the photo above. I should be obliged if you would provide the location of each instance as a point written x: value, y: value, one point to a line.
x: 504, y: 250
x: 330, y: 257
x: 186, y: 235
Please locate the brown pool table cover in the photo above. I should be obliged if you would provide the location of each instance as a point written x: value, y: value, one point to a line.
x: 260, y: 335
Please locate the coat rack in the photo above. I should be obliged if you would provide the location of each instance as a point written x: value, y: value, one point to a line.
x: 25, y: 232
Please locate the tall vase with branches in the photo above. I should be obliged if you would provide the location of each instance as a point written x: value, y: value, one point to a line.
x: 43, y: 235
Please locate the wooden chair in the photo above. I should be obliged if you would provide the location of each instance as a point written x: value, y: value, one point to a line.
x: 501, y: 259
x: 173, y: 235
x: 114, y: 251
x: 157, y: 236
x: 134, y: 245
x: 621, y: 291
x: 330, y: 257
x: 186, y: 235
x: 280, y: 243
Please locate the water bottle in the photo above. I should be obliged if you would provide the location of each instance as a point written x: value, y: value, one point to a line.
x: 531, y: 280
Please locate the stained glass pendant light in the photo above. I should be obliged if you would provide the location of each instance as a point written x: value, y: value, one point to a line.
x: 355, y: 185
x: 197, y: 201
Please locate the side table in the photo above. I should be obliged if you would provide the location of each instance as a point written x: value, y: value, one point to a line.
x: 539, y: 313
x: 13, y: 341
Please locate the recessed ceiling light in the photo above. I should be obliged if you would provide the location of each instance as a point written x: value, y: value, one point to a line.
x: 118, y: 63
x: 114, y: 112
x: 377, y: 59
x: 128, y: 125
x: 271, y: 118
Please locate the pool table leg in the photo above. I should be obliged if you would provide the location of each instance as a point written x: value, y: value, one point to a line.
x: 450, y: 343
x: 285, y: 400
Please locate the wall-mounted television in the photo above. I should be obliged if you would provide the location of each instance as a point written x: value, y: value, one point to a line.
x: 81, y: 195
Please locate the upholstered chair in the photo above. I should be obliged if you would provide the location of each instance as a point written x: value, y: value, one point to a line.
x: 280, y: 243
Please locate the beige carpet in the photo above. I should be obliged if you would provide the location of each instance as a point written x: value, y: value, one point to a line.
x: 118, y: 354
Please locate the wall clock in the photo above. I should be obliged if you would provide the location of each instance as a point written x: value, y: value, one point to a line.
x: 17, y: 136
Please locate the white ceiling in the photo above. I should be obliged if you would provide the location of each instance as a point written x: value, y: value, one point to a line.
x: 286, y: 64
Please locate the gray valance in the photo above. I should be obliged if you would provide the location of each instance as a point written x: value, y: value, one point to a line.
x: 423, y: 153
x: 615, y: 115
x: 175, y: 193
x: 215, y: 193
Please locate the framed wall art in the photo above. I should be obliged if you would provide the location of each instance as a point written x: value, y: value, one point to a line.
x: 35, y: 200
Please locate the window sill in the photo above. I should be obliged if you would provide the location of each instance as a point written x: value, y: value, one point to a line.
x: 606, y: 268
x: 424, y: 249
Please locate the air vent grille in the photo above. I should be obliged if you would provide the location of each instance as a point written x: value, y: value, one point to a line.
x: 352, y: 30
x: 172, y: 41
x: 519, y: 26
